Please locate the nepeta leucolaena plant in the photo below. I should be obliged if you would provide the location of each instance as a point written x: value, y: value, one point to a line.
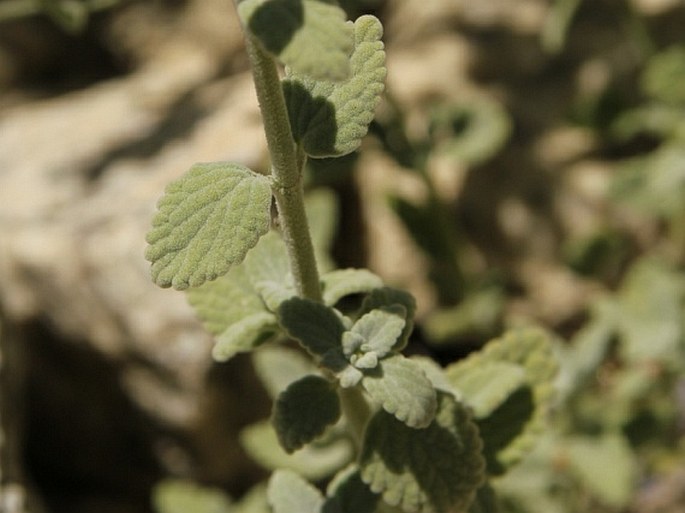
x: 414, y: 437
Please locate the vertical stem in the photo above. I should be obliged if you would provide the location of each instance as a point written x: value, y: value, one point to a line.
x: 286, y: 163
x: 356, y: 411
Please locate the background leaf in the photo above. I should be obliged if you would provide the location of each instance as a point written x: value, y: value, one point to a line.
x: 431, y: 470
x: 328, y: 118
x: 509, y: 416
x: 278, y: 366
x: 244, y: 335
x: 314, y: 461
x: 304, y: 410
x: 344, y: 282
x: 176, y: 496
x: 289, y: 493
x: 206, y: 223
x: 309, y: 36
x: 403, y: 390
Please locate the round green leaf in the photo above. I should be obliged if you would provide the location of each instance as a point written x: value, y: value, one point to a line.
x: 402, y: 388
x: 304, y: 410
x: 289, y: 493
x: 206, y: 223
x: 329, y: 118
x: 309, y: 36
x: 431, y: 470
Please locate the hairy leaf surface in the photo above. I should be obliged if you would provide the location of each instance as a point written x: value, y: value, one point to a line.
x: 309, y: 36
x: 344, y: 282
x: 330, y: 118
x: 403, y: 390
x: 385, y: 297
x: 289, y: 493
x: 431, y: 470
x: 510, y: 412
x: 379, y: 330
x: 244, y: 335
x: 206, y: 223
x: 304, y: 410
x: 317, y: 327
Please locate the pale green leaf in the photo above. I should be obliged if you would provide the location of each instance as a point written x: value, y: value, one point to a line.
x: 380, y: 329
x: 347, y: 493
x: 176, y: 496
x: 304, y: 410
x: 269, y: 271
x: 277, y: 367
x: 487, y: 386
x: 322, y: 212
x: 314, y: 461
x: 289, y: 493
x: 484, y: 127
x: 403, y: 390
x: 606, y: 465
x: 310, y: 36
x: 345, y: 282
x: 244, y: 335
x: 664, y: 76
x: 206, y: 223
x: 317, y: 327
x: 385, y: 297
x: 650, y: 314
x: 511, y: 429
x: 329, y: 118
x: 431, y: 470
x: 221, y: 303
x: 254, y: 501
x: 435, y: 374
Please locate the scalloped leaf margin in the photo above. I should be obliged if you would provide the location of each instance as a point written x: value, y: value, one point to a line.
x: 206, y: 223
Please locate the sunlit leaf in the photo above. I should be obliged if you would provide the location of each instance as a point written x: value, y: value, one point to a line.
x: 314, y: 461
x: 330, y: 118
x: 206, y: 223
x: 289, y: 493
x: 344, y: 282
x: 401, y: 387
x: 309, y: 36
x: 431, y: 470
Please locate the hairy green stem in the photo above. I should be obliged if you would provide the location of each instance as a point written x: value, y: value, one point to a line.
x: 286, y: 169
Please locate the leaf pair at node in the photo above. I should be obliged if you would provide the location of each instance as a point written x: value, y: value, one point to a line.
x: 366, y: 351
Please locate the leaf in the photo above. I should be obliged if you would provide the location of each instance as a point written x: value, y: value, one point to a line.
x: 277, y: 367
x: 606, y: 465
x: 317, y: 327
x: 315, y: 461
x: 389, y: 297
x: 322, y: 212
x: 206, y: 223
x: 511, y: 429
x: 379, y: 330
x: 244, y: 335
x: 253, y: 501
x: 231, y: 310
x: 477, y: 386
x: 403, y: 390
x: 304, y: 410
x: 431, y: 470
x: 471, y: 132
x: 329, y: 119
x: 289, y: 493
x: 650, y: 314
x: 309, y: 36
x: 176, y: 496
x: 269, y: 271
x: 345, y: 282
x: 347, y: 493
x: 664, y: 74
